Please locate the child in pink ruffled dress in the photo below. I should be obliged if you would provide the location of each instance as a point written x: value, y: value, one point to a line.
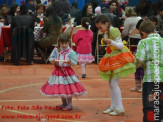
x: 83, y: 39
x: 63, y: 81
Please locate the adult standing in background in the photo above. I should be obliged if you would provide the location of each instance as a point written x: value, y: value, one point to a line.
x: 22, y: 44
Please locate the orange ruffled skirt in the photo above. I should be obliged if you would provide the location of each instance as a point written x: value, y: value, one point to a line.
x: 116, y: 64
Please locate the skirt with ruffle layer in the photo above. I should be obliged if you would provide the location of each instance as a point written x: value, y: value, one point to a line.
x: 85, y: 58
x: 118, y: 63
x: 64, y: 83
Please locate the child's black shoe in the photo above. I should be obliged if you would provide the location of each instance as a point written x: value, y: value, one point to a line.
x: 83, y: 75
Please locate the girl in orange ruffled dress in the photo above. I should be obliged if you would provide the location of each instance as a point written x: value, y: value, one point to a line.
x: 117, y: 62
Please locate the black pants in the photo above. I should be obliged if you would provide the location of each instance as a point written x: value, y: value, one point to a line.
x: 152, y: 109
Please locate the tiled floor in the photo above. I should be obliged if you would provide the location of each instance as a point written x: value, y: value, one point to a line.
x: 21, y: 100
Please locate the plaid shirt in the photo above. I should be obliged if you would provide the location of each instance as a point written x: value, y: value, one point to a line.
x: 150, y: 54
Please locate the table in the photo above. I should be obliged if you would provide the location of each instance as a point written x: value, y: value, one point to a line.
x: 5, y: 39
x: 38, y: 34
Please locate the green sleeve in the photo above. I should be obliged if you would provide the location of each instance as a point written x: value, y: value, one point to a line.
x: 141, y: 53
x: 114, y: 33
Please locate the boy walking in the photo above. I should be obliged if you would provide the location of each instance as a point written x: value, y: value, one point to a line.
x: 150, y: 55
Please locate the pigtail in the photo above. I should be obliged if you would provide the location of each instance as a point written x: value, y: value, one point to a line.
x: 85, y: 22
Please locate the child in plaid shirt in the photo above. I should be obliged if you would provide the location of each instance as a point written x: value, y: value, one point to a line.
x: 150, y: 55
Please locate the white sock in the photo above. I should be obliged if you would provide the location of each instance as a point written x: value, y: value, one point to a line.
x: 117, y: 93
x: 112, y: 94
x: 83, y: 68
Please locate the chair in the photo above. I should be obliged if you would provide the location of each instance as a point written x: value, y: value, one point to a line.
x: 68, y: 30
x: 22, y: 44
x: 132, y: 44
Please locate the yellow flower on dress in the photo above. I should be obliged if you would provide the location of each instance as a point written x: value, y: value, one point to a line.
x: 112, y: 48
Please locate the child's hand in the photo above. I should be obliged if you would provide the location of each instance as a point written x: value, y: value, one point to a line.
x: 68, y: 62
x: 108, y: 41
x: 55, y: 62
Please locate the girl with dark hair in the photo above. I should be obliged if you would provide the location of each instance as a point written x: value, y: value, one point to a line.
x: 117, y: 62
x: 86, y: 12
x: 63, y: 82
x: 83, y: 41
x: 14, y: 10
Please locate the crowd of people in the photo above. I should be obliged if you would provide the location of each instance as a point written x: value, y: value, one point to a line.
x: 142, y: 26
